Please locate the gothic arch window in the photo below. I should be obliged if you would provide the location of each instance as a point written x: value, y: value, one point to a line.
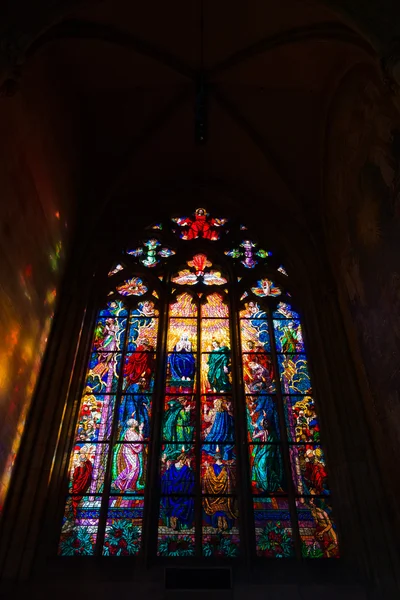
x: 197, y: 433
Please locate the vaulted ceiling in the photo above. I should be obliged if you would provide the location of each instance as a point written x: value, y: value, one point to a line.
x: 120, y: 79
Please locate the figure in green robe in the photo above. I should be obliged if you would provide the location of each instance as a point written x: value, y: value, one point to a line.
x: 177, y: 428
x: 289, y: 339
x: 218, y: 368
x: 267, y: 469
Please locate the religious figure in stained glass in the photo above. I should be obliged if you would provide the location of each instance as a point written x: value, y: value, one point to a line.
x: 313, y: 470
x: 129, y: 459
x: 139, y: 368
x: 177, y: 427
x: 136, y: 407
x: 150, y: 253
x: 220, y: 433
x: 219, y: 367
x: 265, y: 287
x: 258, y: 373
x: 177, y: 483
x: 81, y: 478
x: 200, y: 227
x: 219, y: 509
x: 182, y: 362
x: 105, y: 507
x: 324, y: 529
x: 267, y: 468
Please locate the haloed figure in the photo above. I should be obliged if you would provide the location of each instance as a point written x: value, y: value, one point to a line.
x: 182, y: 361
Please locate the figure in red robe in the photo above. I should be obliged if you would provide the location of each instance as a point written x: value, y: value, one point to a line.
x: 314, y: 472
x: 200, y: 227
x: 139, y: 368
x: 81, y: 479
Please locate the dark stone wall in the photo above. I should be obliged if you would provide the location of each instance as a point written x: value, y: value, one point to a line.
x: 36, y: 222
x: 361, y: 222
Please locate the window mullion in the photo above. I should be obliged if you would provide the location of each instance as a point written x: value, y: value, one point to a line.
x: 198, y: 513
x: 152, y: 489
x: 246, y: 524
x: 113, y: 438
x: 284, y: 444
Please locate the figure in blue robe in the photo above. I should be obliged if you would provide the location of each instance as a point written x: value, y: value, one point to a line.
x: 221, y: 435
x: 137, y: 407
x: 265, y: 408
x: 258, y: 321
x: 177, y: 483
x: 182, y: 362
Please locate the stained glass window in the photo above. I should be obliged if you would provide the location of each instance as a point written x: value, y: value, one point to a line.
x: 197, y: 352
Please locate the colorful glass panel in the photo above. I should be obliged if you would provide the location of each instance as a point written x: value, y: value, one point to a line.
x: 200, y: 226
x: 143, y: 327
x: 214, y: 306
x: 220, y: 527
x: 265, y: 287
x: 132, y: 287
x: 137, y: 407
x: 252, y: 310
x: 178, y: 426
x: 123, y: 420
x: 266, y: 463
x: 317, y: 529
x: 170, y: 543
x: 181, y: 373
x: 123, y: 526
x: 258, y: 373
x: 218, y: 468
x: 80, y: 525
x: 294, y: 374
x: 114, y: 308
x: 95, y: 418
x: 182, y: 337
x: 273, y: 527
x: 87, y: 468
x: 129, y: 465
x: 262, y: 414
x: 248, y: 253
x: 255, y: 335
x: 288, y: 335
x: 196, y: 432
x: 183, y: 307
x: 150, y: 253
x: 102, y: 377
x: 115, y: 270
x: 309, y: 470
x: 285, y: 311
x: 199, y: 273
x: 139, y: 372
x: 301, y: 419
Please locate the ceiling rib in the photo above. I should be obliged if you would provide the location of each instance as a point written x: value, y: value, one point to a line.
x: 86, y: 30
x: 259, y: 142
x: 318, y: 32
